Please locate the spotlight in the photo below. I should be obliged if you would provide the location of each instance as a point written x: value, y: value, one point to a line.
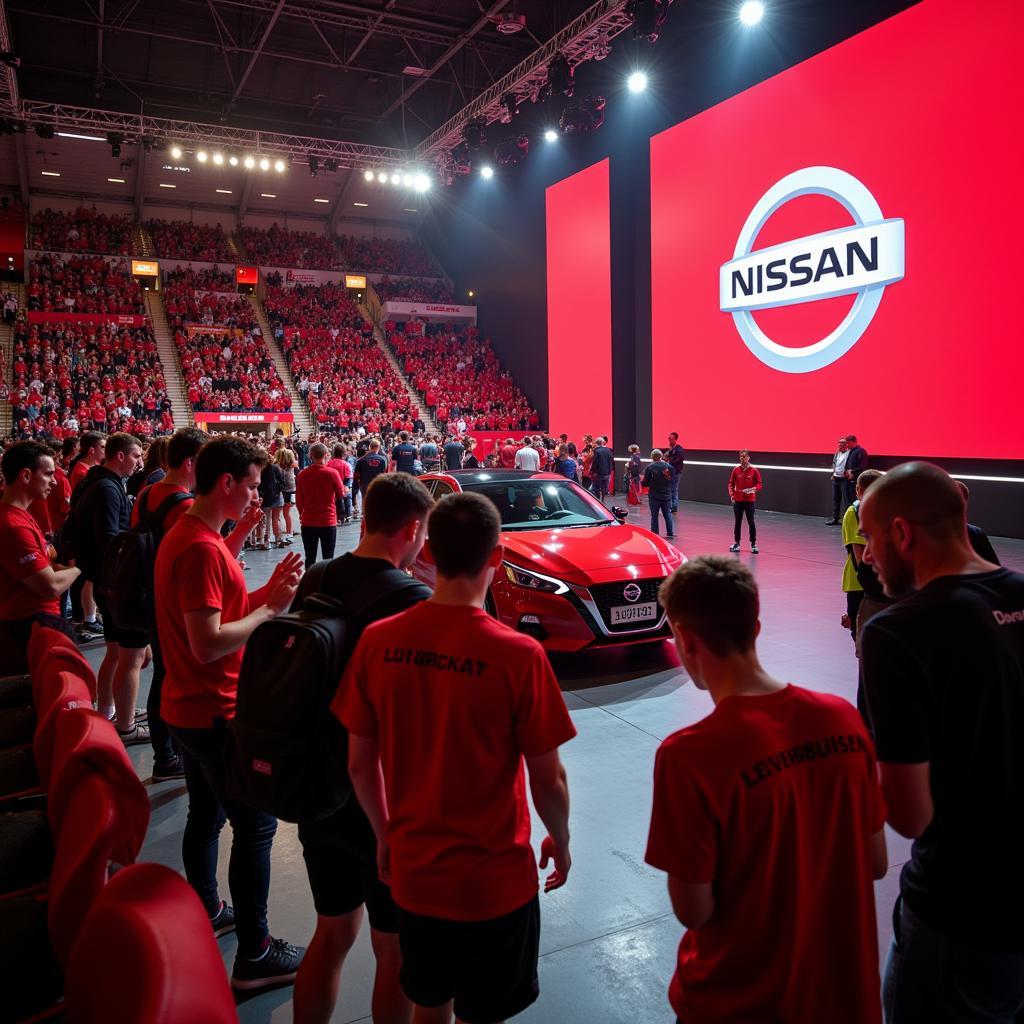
x: 314, y: 165
x: 511, y: 151
x: 486, y: 172
x: 264, y: 164
x: 560, y: 76
x: 218, y: 159
x: 395, y: 179
x: 331, y: 166
x: 280, y: 166
x: 201, y: 156
x: 407, y: 180
x: 250, y: 162
x: 382, y: 177
x: 233, y: 160
x: 751, y: 12
x: 114, y: 140
x: 367, y: 175
x: 45, y: 131
x: 474, y: 134
x: 420, y: 182
x: 585, y: 115
x: 600, y: 48
x: 509, y: 108
x: 551, y: 135
x: 637, y: 81
x: 176, y: 152
x: 648, y: 17
x: 461, y: 161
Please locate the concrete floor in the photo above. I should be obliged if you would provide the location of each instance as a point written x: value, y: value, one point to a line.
x: 609, y: 937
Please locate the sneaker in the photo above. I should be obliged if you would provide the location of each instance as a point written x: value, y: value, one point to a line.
x: 89, y: 631
x: 224, y: 921
x: 96, y: 626
x: 165, y: 771
x: 277, y: 966
x: 735, y: 547
x: 831, y: 522
x: 753, y: 549
x: 141, y: 715
x: 134, y: 736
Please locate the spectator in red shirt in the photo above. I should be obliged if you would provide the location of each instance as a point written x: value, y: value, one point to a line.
x: 744, y: 483
x: 453, y: 831
x: 768, y: 819
x: 29, y: 584
x: 508, y: 454
x: 318, y: 488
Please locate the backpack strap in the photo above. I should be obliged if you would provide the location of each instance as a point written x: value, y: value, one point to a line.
x: 170, y: 502
x: 376, y: 589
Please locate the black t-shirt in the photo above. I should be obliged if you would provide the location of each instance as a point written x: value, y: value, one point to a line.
x: 453, y: 452
x: 404, y: 455
x: 658, y: 480
x: 368, y: 468
x: 944, y: 675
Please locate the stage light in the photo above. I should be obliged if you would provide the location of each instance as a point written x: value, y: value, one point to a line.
x: 551, y: 135
x: 637, y: 81
x: 474, y: 134
x: 201, y: 156
x: 511, y: 151
x: 421, y: 182
x: 648, y: 17
x: 396, y: 179
x: 407, y: 180
x: 585, y: 115
x: 382, y: 177
x: 509, y: 108
x: 560, y: 76
x: 233, y: 160
x: 330, y: 166
x: 486, y: 172
x: 114, y: 140
x: 176, y: 152
x: 218, y: 159
x: 314, y: 165
x: 264, y: 164
x: 368, y: 175
x: 751, y: 12
x: 280, y: 166
x: 250, y: 162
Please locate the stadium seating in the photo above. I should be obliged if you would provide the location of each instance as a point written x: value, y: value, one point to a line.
x: 182, y: 240
x: 84, y: 230
x: 406, y: 289
x: 387, y: 256
x: 83, y: 284
x: 279, y: 247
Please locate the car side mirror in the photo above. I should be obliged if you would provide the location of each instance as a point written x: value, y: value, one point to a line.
x: 620, y: 514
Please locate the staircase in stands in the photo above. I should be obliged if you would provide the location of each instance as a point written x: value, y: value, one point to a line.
x: 168, y: 352
x: 236, y: 247
x: 143, y: 242
x: 429, y: 424
x: 299, y: 409
x: 7, y: 359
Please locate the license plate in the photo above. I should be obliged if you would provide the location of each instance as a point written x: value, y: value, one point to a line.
x: 634, y: 613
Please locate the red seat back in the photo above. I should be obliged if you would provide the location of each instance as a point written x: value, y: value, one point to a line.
x: 147, y: 949
x: 57, y: 690
x: 50, y: 652
x: 96, y: 830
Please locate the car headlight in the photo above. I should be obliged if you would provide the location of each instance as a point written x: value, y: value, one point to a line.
x: 533, y: 580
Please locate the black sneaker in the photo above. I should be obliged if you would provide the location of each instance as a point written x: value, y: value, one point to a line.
x: 278, y: 966
x: 135, y: 735
x: 165, y: 771
x: 734, y: 547
x: 224, y: 922
x: 95, y: 627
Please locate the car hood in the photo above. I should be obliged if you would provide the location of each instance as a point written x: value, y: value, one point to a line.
x: 563, y: 553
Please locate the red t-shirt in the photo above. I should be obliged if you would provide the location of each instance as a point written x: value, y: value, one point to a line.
x: 775, y: 800
x: 156, y: 494
x: 23, y: 553
x: 508, y: 456
x: 194, y: 571
x: 455, y: 700
x: 740, y: 479
x: 316, y: 489
x: 78, y: 473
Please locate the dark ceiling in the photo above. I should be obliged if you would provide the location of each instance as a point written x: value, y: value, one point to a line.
x: 313, y: 67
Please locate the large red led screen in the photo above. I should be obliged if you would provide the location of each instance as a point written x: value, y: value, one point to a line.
x: 579, y: 304
x: 836, y: 249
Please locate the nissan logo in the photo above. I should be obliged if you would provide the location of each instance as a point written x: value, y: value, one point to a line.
x: 631, y: 592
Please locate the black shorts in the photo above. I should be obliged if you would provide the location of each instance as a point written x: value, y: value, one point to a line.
x: 129, y: 639
x: 488, y: 967
x: 341, y: 861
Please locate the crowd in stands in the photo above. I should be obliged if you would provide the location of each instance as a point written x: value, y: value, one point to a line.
x: 387, y: 256
x: 460, y: 378
x: 278, y: 247
x: 73, y: 377
x: 183, y: 240
x: 411, y: 289
x: 343, y: 375
x: 84, y: 230
x: 83, y: 284
x: 206, y: 296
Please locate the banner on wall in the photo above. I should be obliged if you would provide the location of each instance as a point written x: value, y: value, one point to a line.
x: 218, y: 332
x: 433, y: 311
x: 121, y: 319
x: 244, y: 417
x: 290, y: 277
x: 357, y: 281
x: 145, y: 268
x: 247, y: 275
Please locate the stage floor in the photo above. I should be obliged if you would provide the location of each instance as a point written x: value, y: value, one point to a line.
x: 609, y: 937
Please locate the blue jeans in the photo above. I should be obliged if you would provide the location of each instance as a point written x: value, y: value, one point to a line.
x: 602, y: 487
x: 931, y: 978
x: 664, y: 506
x: 675, y: 488
x: 209, y: 807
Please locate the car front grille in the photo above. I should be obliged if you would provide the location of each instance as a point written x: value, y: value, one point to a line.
x: 607, y: 595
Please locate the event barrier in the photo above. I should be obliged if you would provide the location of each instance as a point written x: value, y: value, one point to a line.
x: 121, y: 319
x: 440, y: 312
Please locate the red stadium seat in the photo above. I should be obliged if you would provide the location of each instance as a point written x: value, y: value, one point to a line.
x: 151, y: 924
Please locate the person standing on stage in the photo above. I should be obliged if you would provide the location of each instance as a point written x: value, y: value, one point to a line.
x: 675, y: 456
x: 856, y: 463
x: 744, y: 483
x: 839, y: 502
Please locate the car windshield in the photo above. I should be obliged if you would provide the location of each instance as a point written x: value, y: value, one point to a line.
x: 532, y: 504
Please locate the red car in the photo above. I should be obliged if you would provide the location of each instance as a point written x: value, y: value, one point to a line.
x: 575, y: 574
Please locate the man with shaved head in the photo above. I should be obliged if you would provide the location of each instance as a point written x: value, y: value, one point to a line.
x: 943, y: 668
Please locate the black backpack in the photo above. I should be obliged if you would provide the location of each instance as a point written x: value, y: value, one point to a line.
x: 287, y: 754
x: 66, y: 541
x: 126, y: 575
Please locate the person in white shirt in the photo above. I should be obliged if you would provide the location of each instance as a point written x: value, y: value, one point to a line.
x: 527, y: 457
x: 839, y: 502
